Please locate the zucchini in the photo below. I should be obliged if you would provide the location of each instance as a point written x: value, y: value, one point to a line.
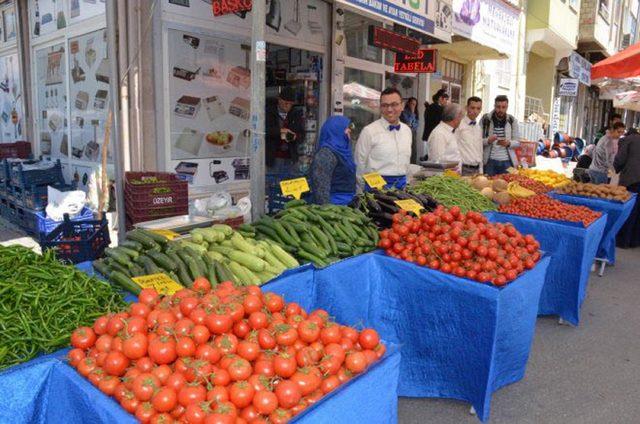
x: 194, y: 269
x: 221, y: 249
x: 284, y: 257
x: 223, y: 273
x: 291, y: 230
x: 269, y: 232
x: 150, y: 266
x: 132, y: 244
x: 247, y: 277
x: 197, y: 247
x: 225, y: 229
x: 311, y: 257
x: 158, y: 238
x: 294, y: 204
x: 125, y: 282
x: 129, y: 252
x: 246, y: 228
x: 314, y: 249
x: 241, y: 244
x: 137, y: 270
x: 115, y: 266
x: 214, y: 256
x: 101, y: 267
x: 251, y: 262
x: 118, y: 256
x: 142, y: 238
x: 163, y: 261
x: 282, y: 233
x: 211, y: 274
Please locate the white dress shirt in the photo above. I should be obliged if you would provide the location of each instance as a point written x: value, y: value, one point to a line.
x: 383, y: 151
x: 470, y: 142
x: 443, y: 144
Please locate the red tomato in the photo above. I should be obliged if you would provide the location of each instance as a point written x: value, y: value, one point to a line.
x: 135, y: 347
x: 264, y: 367
x: 356, y: 362
x: 240, y: 369
x: 144, y: 386
x: 116, y: 363
x: 162, y: 350
x: 265, y: 402
x: 162, y: 372
x: 329, y: 384
x: 273, y: 302
x: 218, y: 394
x: 307, y: 356
x: 220, y: 377
x: 285, y: 365
x: 165, y: 399
x: 307, y: 379
x: 209, y: 353
x: 100, y: 325
x: 288, y: 393
x: 369, y: 338
x: 191, y: 394
x: 227, y: 343
x: 75, y: 356
x: 308, y: 331
x: 258, y: 320
x: 266, y: 340
x: 248, y: 350
x: 83, y: 338
x: 149, y: 297
x: 286, y: 335
x: 176, y: 381
x: 280, y: 416
x: 185, y: 346
x: 219, y: 323
x: 200, y: 334
x: 241, y: 394
x: 201, y: 285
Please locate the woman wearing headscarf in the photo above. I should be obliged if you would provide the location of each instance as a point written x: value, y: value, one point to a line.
x: 333, y: 170
x: 627, y: 163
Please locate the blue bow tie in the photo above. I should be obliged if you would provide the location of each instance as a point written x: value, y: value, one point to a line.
x: 472, y: 123
x: 394, y: 127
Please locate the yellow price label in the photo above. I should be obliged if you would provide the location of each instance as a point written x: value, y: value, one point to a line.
x: 161, y: 282
x: 410, y: 205
x: 167, y: 233
x: 374, y: 180
x: 294, y: 187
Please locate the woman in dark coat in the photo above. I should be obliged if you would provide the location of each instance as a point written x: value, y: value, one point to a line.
x: 627, y: 163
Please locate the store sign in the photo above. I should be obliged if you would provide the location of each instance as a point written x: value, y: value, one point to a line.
x: 422, y: 63
x: 580, y: 68
x: 568, y: 87
x: 387, y: 39
x: 415, y: 14
x: 555, y: 116
x: 488, y: 22
x: 226, y: 7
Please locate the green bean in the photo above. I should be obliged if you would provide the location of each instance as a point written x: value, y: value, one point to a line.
x: 451, y: 191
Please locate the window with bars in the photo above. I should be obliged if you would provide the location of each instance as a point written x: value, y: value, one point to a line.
x: 453, y: 71
x: 533, y: 105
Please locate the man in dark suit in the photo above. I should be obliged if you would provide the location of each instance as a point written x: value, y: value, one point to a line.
x: 284, y: 130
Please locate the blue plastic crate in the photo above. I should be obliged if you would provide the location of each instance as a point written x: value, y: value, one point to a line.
x: 275, y: 199
x: 35, y: 197
x: 22, y: 178
x: 36, y: 223
x: 47, y: 225
x: 78, y: 241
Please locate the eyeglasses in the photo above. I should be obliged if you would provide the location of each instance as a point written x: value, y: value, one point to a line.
x: 352, y: 126
x: 390, y: 105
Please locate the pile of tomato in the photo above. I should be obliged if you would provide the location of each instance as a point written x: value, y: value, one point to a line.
x: 462, y: 244
x: 543, y: 206
x: 525, y: 182
x: 227, y: 355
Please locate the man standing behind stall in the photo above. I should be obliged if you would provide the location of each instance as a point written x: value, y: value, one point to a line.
x: 284, y: 130
x: 384, y: 146
x: 499, y: 138
x: 469, y: 135
x: 443, y: 143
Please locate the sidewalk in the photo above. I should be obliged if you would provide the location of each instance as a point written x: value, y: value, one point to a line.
x: 584, y: 375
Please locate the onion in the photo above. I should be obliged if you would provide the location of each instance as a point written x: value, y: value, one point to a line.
x: 487, y: 192
x: 480, y: 182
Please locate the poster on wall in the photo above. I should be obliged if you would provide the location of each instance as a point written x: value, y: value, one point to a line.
x: 89, y: 95
x: 11, y: 105
x: 9, y: 30
x: 293, y: 19
x: 209, y: 100
x: 84, y: 9
x: 487, y: 22
x: 51, y: 77
x: 48, y: 16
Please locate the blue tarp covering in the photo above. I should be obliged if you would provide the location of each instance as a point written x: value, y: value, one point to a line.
x: 617, y: 214
x: 459, y: 339
x: 572, y: 249
x: 47, y: 390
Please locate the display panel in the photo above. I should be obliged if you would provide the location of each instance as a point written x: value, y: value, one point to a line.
x: 11, y: 106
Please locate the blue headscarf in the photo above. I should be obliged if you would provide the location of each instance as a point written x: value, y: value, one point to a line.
x: 332, y: 136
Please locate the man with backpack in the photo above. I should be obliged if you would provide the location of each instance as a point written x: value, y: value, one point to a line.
x: 499, y: 138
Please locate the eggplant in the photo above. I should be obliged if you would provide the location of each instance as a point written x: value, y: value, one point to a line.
x: 373, y: 204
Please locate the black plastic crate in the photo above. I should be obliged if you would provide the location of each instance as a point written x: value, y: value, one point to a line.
x: 275, y: 199
x: 78, y: 241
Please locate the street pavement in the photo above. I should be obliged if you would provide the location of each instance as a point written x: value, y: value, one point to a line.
x: 584, y: 375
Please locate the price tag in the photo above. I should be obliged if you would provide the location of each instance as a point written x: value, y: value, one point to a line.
x: 410, y: 205
x: 161, y: 282
x: 294, y: 187
x: 374, y: 180
x: 167, y: 233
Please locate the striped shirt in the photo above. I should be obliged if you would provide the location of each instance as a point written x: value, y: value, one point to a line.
x: 499, y: 152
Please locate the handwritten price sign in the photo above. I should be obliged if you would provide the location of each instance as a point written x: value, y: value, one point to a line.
x: 410, y: 205
x: 161, y: 282
x: 294, y: 187
x: 374, y: 180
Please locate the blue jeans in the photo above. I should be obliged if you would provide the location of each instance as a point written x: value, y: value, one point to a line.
x: 495, y: 167
x: 598, y: 177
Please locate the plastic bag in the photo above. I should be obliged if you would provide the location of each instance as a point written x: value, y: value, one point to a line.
x: 64, y: 202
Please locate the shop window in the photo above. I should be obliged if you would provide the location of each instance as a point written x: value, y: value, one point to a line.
x: 356, y: 30
x: 49, y: 16
x: 533, y: 108
x: 503, y: 73
x: 11, y: 106
x: 407, y: 85
x: 361, y: 97
x: 8, y: 24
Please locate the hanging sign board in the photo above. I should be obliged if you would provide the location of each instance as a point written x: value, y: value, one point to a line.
x: 387, y: 39
x: 568, y: 87
x: 422, y: 63
x: 226, y: 7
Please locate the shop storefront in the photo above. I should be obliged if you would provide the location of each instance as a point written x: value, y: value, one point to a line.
x: 12, y: 117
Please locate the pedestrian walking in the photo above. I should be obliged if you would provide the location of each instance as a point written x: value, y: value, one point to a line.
x: 627, y: 163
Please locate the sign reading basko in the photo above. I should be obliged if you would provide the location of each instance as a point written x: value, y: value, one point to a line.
x: 414, y: 14
x: 568, y: 87
x: 488, y: 22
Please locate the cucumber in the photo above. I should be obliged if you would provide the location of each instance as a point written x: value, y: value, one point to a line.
x: 163, y: 261
x: 211, y: 274
x: 194, y: 269
x: 298, y: 214
x: 284, y: 257
x: 150, y: 266
x: 322, y: 238
x: 125, y: 282
x: 132, y: 244
x: 140, y: 237
x: 221, y: 249
x: 294, y: 203
x: 137, y: 270
x: 246, y: 228
x: 291, y: 230
x: 311, y: 257
x: 282, y: 233
x: 129, y: 252
x: 265, y: 276
x: 158, y: 238
x: 223, y: 273
x: 269, y: 232
x: 214, y: 256
x: 183, y: 274
x: 201, y: 263
x: 197, y: 247
x: 247, y: 277
x: 332, y: 244
x: 251, y: 262
x: 101, y: 267
x: 115, y: 266
x: 118, y: 256
x: 313, y: 249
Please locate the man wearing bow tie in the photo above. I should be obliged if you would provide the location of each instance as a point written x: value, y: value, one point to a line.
x: 469, y: 135
x: 384, y: 146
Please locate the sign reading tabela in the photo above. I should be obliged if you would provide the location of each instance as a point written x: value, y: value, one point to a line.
x: 422, y: 63
x: 226, y: 7
x: 374, y: 180
x: 294, y: 187
x: 160, y: 282
x: 410, y: 205
x: 387, y: 39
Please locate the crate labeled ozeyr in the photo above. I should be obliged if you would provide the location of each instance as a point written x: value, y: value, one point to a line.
x: 154, y: 190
